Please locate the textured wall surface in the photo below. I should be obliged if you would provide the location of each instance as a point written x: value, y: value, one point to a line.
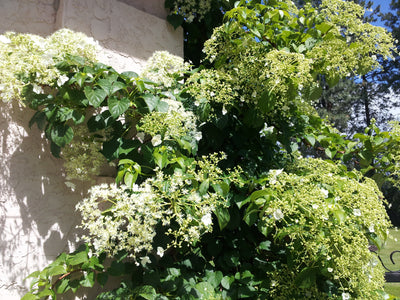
x: 126, y: 29
x: 28, y: 16
x: 37, y: 211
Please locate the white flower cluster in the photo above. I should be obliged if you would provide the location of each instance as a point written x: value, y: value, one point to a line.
x: 163, y: 67
x: 120, y: 219
x: 191, y: 9
x: 27, y: 56
x: 173, y: 124
x: 82, y: 157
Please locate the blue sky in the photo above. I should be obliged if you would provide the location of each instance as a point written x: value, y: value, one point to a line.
x: 384, y: 8
x: 383, y: 3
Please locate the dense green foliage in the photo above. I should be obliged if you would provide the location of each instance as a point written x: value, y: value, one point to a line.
x: 228, y: 184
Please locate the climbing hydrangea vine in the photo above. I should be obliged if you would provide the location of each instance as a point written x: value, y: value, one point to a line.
x: 212, y: 198
x: 31, y: 58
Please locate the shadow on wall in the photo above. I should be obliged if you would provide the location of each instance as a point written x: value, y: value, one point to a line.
x: 37, y: 210
x: 38, y: 217
x: 126, y: 28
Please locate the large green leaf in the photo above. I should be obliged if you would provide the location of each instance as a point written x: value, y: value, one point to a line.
x: 223, y: 217
x: 110, y: 85
x: 214, y: 278
x: 88, y: 280
x: 175, y: 20
x: 63, y: 286
x: 206, y: 290
x: 56, y: 270
x: 204, y: 186
x: 154, y: 103
x: 227, y: 281
x: 118, y: 106
x: 95, y: 96
x: 29, y: 296
x: 78, y: 258
x: 61, y: 134
x: 145, y: 291
x: 40, y: 119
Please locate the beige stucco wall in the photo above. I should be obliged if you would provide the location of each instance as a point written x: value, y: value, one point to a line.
x: 37, y: 211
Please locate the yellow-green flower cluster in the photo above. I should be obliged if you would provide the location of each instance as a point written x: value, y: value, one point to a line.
x: 31, y: 57
x: 258, y: 62
x: 212, y: 86
x: 173, y: 124
x: 82, y: 157
x: 191, y: 9
x: 356, y: 53
x: 326, y: 217
x: 163, y: 67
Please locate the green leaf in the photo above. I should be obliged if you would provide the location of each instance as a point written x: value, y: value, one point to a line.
x: 161, y: 159
x: 80, y: 78
x: 116, y: 268
x: 61, y: 134
x: 162, y: 107
x: 29, y: 296
x: 265, y: 245
x: 339, y: 215
x: 63, y: 286
x: 223, y: 217
x: 88, y: 280
x: 33, y: 275
x: 313, y: 92
x: 77, y: 117
x: 101, y: 121
x: 227, y: 281
x: 102, y: 279
x: 310, y: 139
x: 56, y: 270
x: 206, y: 290
x: 306, y: 278
x: 130, y: 178
x: 310, y: 43
x: 266, y: 101
x: 110, y: 85
x: 378, y: 140
x: 324, y: 27
x: 154, y: 103
x: 77, y: 258
x: 125, y: 161
x: 130, y: 74
x: 174, y: 272
x: 55, y: 150
x: 145, y: 291
x: 40, y: 119
x: 222, y: 188
x: 95, y: 96
x: 175, y: 20
x: 214, y: 278
x: 259, y: 194
x: 330, y: 153
x: 45, y: 292
x: 118, y: 106
x: 204, y: 186
x: 251, y: 215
